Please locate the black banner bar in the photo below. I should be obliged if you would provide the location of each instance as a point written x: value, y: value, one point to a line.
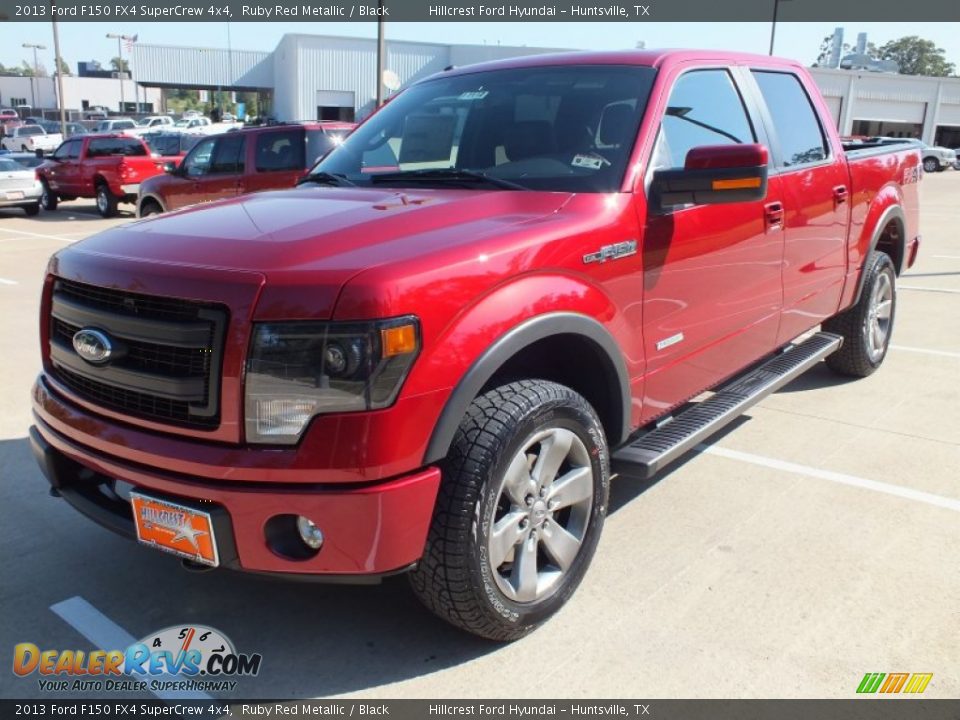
x: 872, y: 708
x: 492, y: 11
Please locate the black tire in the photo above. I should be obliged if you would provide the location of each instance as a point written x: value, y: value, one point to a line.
x: 48, y: 200
x: 106, y: 201
x: 32, y: 210
x: 150, y: 207
x: 931, y: 164
x: 861, y: 354
x: 456, y: 578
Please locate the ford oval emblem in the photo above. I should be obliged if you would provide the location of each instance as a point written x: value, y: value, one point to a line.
x: 93, y: 346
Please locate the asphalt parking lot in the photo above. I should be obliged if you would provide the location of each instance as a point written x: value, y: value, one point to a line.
x: 813, y: 542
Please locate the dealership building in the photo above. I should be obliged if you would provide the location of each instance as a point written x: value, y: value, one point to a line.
x: 309, y: 77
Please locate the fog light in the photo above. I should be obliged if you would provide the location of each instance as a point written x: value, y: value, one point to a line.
x: 309, y: 532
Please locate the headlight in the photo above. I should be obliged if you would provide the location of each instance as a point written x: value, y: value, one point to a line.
x: 296, y: 370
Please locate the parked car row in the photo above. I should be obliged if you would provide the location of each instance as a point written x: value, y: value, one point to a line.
x: 166, y: 170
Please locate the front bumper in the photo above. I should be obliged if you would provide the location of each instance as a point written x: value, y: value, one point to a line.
x: 370, y: 529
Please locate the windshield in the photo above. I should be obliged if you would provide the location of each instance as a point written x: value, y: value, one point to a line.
x: 10, y: 166
x: 566, y: 128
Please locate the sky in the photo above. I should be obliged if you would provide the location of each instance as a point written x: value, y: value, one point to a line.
x: 800, y: 41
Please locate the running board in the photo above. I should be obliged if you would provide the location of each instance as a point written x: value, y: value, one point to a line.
x: 648, y: 454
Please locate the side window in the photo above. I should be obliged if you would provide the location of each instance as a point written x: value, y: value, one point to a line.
x: 68, y: 150
x: 99, y: 147
x: 797, y: 126
x: 704, y: 109
x: 197, y: 163
x: 282, y: 150
x: 228, y: 155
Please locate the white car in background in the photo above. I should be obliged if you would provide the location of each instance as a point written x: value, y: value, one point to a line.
x: 152, y: 123
x: 937, y: 158
x: 19, y: 187
x: 202, y: 125
x: 123, y: 125
x: 30, y: 138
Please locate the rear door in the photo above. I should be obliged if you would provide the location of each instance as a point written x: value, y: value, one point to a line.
x: 816, y: 203
x: 278, y: 159
x: 711, y: 273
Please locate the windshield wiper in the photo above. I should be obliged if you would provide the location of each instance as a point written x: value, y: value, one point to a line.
x: 454, y: 175
x: 325, y: 178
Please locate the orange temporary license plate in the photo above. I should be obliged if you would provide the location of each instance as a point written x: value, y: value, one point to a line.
x: 175, y: 529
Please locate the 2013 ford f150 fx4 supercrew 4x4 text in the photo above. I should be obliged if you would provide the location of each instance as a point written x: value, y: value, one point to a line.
x: 506, y: 285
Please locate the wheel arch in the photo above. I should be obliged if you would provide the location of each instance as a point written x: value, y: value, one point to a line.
x: 889, y: 236
x: 149, y: 197
x: 587, y: 346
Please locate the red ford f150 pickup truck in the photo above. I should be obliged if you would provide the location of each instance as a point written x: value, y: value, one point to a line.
x: 504, y: 287
x: 109, y: 168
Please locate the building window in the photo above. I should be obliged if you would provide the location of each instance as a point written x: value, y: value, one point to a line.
x: 18, y: 101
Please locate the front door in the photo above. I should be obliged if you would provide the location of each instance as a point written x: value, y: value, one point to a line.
x: 712, y: 284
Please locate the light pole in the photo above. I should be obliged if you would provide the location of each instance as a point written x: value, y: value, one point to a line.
x: 773, y: 25
x: 120, y: 38
x: 36, y: 70
x: 381, y: 54
x: 58, y: 60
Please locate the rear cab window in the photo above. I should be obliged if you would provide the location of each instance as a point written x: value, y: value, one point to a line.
x: 280, y: 150
x: 796, y: 125
x: 106, y: 147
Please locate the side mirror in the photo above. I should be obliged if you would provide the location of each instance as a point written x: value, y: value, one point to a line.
x: 713, y: 174
x: 170, y: 168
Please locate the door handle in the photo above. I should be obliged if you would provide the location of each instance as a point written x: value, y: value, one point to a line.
x: 840, y: 194
x: 773, y: 215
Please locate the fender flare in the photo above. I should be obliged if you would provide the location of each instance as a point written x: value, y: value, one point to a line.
x: 894, y: 212
x: 508, y: 345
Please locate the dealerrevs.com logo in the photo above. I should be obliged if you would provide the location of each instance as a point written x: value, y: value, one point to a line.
x: 180, y: 657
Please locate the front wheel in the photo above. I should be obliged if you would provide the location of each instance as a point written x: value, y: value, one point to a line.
x: 931, y: 165
x: 519, y: 513
x: 106, y: 201
x: 867, y: 326
x: 32, y: 210
x: 48, y: 198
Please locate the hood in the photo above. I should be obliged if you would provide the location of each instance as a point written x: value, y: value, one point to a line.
x: 318, y: 237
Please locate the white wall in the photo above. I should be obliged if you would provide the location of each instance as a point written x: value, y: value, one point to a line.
x: 96, y: 91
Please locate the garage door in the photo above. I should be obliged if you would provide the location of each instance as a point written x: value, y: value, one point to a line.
x: 889, y: 110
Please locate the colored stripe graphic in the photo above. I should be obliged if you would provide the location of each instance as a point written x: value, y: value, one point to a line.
x: 870, y: 682
x: 894, y: 682
x: 918, y: 683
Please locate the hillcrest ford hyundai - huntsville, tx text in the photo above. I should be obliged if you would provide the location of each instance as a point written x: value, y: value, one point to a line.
x: 503, y: 287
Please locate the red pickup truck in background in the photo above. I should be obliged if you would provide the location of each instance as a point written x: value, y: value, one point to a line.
x: 108, y: 168
x: 503, y: 287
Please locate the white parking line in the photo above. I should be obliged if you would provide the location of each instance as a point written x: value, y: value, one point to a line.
x: 939, y: 501
x: 947, y: 257
x: 107, y: 635
x: 927, y: 289
x: 941, y: 353
x: 30, y: 234
x: 4, y: 281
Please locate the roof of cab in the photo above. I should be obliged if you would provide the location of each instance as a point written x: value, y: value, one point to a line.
x: 647, y: 58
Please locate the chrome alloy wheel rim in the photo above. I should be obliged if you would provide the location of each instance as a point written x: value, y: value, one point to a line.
x: 101, y: 201
x: 878, y: 316
x: 541, y: 516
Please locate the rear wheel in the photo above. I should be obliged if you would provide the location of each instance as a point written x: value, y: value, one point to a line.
x: 867, y: 326
x: 48, y: 198
x: 150, y: 207
x: 520, y: 509
x: 32, y: 210
x: 106, y: 201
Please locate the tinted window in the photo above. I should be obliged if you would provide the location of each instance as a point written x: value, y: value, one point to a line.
x: 228, y: 155
x: 281, y: 150
x: 797, y: 127
x: 198, y: 161
x: 163, y: 144
x: 704, y: 109
x: 70, y: 149
x: 100, y: 147
x: 32, y: 130
x: 123, y: 124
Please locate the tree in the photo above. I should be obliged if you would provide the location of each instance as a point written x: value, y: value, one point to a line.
x: 64, y: 67
x: 119, y: 65
x: 26, y: 69
x: 917, y: 56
